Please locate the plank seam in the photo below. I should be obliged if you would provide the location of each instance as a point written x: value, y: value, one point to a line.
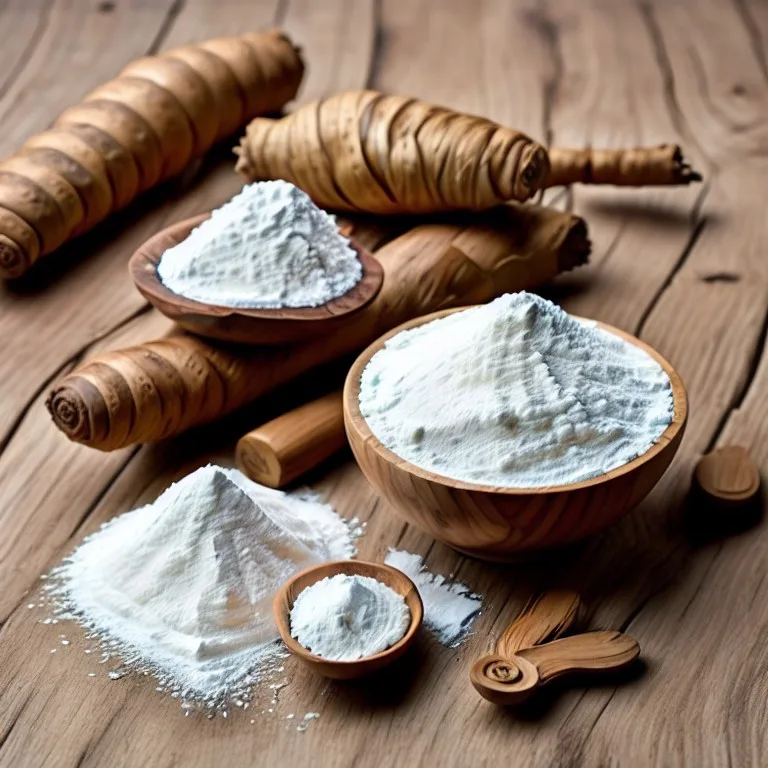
x: 29, y: 50
x: 173, y: 12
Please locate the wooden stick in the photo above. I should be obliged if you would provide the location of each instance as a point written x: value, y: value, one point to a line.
x: 164, y: 387
x: 287, y: 447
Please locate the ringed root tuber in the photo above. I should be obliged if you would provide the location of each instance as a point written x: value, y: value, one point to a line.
x: 133, y: 132
x: 366, y: 151
x: 164, y: 387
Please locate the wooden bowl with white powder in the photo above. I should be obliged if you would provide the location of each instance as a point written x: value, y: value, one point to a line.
x: 347, y: 670
x: 506, y: 523
x: 245, y: 325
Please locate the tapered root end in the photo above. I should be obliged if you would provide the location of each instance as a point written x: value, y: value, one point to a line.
x: 69, y: 412
x: 14, y: 261
x: 681, y: 169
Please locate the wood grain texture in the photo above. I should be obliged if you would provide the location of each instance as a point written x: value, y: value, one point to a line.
x: 684, y: 268
x: 278, y: 452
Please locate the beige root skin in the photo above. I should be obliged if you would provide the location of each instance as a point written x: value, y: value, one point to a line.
x: 640, y: 167
x: 164, y: 387
x: 367, y: 151
x: 146, y: 125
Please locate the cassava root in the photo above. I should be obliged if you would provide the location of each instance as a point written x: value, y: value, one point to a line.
x: 141, y: 128
x: 367, y: 151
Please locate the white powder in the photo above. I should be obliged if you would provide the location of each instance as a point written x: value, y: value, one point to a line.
x: 450, y: 609
x: 269, y: 246
x: 515, y: 393
x: 183, y: 587
x: 344, y: 618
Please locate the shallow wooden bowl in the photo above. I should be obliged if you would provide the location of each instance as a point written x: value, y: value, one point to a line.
x: 506, y: 523
x: 248, y: 326
x: 347, y: 670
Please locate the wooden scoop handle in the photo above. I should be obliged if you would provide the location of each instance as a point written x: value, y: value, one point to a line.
x: 545, y: 618
x: 512, y: 680
x: 285, y: 448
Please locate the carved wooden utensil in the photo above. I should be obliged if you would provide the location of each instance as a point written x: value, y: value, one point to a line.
x: 529, y: 653
x: 728, y: 476
x: 239, y: 324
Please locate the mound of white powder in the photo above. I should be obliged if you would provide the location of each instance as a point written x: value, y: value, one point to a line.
x: 349, y: 617
x: 270, y: 246
x: 183, y: 587
x: 515, y: 393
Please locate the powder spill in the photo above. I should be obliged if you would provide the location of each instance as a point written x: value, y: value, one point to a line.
x: 344, y: 618
x: 450, y: 609
x: 182, y: 588
x: 515, y: 393
x: 269, y: 246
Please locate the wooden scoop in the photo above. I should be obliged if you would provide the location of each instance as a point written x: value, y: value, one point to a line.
x: 238, y: 324
x: 524, y: 661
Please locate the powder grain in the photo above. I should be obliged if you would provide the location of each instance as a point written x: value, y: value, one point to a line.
x: 515, y: 393
x: 269, y: 247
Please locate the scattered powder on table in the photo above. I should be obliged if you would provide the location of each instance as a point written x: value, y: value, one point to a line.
x: 515, y: 393
x: 270, y: 246
x: 183, y: 588
x: 450, y: 609
x: 344, y: 618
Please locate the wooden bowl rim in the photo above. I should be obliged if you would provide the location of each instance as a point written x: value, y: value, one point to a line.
x: 354, y: 419
x: 145, y: 259
x: 282, y: 605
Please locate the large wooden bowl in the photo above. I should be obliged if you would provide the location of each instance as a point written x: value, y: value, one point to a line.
x: 506, y: 523
x: 247, y: 326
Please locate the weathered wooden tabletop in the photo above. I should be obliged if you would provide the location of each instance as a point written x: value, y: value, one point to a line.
x: 684, y: 268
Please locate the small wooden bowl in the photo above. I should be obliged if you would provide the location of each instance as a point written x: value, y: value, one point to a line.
x: 506, y: 523
x: 248, y: 326
x: 347, y: 670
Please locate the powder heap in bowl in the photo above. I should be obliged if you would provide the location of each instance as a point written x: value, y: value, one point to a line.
x: 345, y: 618
x: 516, y: 394
x: 269, y: 247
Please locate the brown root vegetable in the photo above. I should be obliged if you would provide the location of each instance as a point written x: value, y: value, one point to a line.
x: 164, y: 387
x: 367, y: 151
x: 134, y: 131
x: 643, y: 166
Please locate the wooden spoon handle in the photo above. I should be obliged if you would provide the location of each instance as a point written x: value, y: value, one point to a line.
x: 591, y: 651
x: 508, y: 681
x: 545, y: 618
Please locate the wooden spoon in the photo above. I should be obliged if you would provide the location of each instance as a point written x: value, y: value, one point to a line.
x: 346, y: 670
x: 248, y: 326
x: 728, y: 476
x: 524, y: 660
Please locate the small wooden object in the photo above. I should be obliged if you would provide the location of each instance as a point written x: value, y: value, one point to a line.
x: 347, y: 670
x: 506, y: 523
x: 287, y: 447
x: 248, y: 326
x: 531, y: 652
x: 728, y: 476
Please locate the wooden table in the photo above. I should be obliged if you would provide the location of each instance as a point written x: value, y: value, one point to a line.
x: 684, y: 268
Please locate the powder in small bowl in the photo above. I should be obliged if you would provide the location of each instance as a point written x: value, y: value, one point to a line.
x: 345, y: 618
x: 268, y: 247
